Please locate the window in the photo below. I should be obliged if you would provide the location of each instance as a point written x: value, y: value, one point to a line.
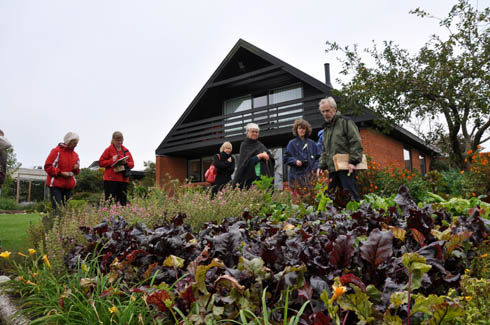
x: 275, y: 96
x: 283, y: 95
x: 236, y: 105
x: 197, y: 167
x: 194, y: 170
x: 422, y: 164
x: 407, y: 156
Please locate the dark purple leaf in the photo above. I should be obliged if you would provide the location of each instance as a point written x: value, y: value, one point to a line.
x: 378, y: 247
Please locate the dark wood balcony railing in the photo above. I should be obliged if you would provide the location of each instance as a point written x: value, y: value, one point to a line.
x: 272, y: 119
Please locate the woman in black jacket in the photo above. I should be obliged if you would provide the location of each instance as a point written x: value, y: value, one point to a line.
x: 254, y: 159
x: 225, y: 165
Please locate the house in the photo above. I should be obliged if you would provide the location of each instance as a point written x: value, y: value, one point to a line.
x: 251, y: 85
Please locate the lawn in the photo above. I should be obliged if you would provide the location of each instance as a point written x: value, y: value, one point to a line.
x: 13, y: 231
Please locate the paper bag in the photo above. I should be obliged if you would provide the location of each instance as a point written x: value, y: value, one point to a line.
x: 341, y: 161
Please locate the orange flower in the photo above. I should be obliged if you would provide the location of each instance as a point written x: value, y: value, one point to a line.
x: 337, y: 292
x: 45, y: 258
x: 462, y: 172
x: 469, y: 152
x: 473, y: 194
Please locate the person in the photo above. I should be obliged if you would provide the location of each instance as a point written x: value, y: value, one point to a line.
x: 340, y: 135
x: 61, y: 166
x: 116, y: 177
x: 4, y: 146
x: 225, y: 165
x: 301, y: 155
x: 254, y: 159
x: 320, y: 141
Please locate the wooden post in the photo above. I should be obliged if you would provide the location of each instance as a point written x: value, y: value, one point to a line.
x: 18, y: 187
x: 29, y: 192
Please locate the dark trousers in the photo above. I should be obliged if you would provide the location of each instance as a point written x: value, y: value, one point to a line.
x: 116, y: 192
x: 58, y: 197
x: 342, y: 180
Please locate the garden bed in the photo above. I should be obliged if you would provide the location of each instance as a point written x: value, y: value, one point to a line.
x: 382, y: 261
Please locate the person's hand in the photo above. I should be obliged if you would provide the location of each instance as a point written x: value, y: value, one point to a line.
x: 318, y: 172
x: 351, y: 169
x: 76, y: 166
x: 66, y: 174
x: 229, y: 160
x: 265, y: 155
x: 299, y: 163
x: 114, y: 158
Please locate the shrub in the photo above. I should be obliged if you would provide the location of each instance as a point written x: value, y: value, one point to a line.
x: 445, y: 183
x: 477, y: 177
x: 8, y: 204
x: 387, y: 180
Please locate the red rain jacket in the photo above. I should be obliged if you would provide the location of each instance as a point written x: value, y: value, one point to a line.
x: 61, y: 159
x: 109, y: 156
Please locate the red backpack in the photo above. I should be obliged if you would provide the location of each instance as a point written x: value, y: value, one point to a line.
x: 210, y: 174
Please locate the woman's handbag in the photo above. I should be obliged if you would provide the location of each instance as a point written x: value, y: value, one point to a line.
x: 211, y: 173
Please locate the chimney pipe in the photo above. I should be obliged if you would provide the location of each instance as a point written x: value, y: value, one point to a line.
x: 327, y: 75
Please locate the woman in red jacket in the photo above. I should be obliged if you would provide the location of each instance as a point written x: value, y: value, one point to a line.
x: 61, y: 166
x: 117, y: 161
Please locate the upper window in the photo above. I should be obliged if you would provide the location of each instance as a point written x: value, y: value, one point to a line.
x: 407, y: 156
x: 270, y: 116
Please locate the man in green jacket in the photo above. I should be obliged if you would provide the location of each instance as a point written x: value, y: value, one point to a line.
x: 340, y: 135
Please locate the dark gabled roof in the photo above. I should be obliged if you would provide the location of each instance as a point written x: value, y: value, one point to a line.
x: 215, y: 77
x: 269, y: 63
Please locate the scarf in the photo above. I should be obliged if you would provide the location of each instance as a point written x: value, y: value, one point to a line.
x: 248, y: 149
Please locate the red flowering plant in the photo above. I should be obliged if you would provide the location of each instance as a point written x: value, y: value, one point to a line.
x: 477, y: 177
x: 386, y: 180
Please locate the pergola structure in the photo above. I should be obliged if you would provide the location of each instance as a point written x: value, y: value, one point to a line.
x: 29, y: 175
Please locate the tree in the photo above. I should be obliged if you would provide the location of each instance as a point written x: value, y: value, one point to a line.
x: 447, y: 78
x: 12, y: 166
x: 150, y: 174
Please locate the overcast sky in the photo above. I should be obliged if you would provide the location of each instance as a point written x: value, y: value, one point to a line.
x: 94, y: 67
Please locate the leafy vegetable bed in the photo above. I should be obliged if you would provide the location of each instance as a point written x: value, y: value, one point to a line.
x: 366, y: 266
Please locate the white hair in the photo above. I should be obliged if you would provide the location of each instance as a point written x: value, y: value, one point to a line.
x: 329, y: 101
x: 252, y: 126
x: 225, y: 145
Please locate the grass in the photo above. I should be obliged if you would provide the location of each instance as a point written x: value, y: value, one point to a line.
x: 13, y: 231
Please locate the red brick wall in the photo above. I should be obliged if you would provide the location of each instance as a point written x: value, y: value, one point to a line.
x: 386, y: 150
x: 175, y: 167
x: 381, y: 148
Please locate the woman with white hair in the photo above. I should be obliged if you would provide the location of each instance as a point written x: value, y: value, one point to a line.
x: 61, y: 166
x: 254, y: 160
x: 225, y: 166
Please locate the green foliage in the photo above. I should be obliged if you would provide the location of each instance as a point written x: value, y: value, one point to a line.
x: 446, y: 183
x: 477, y: 176
x: 447, y: 78
x: 476, y: 293
x: 91, y: 181
x: 386, y: 180
x: 84, y: 297
x: 416, y: 267
x: 359, y: 303
x: 8, y: 204
x: 150, y: 174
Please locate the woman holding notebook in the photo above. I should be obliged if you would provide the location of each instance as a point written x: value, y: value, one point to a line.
x: 117, y: 161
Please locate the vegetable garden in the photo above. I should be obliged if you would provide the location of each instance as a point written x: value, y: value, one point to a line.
x: 173, y: 256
